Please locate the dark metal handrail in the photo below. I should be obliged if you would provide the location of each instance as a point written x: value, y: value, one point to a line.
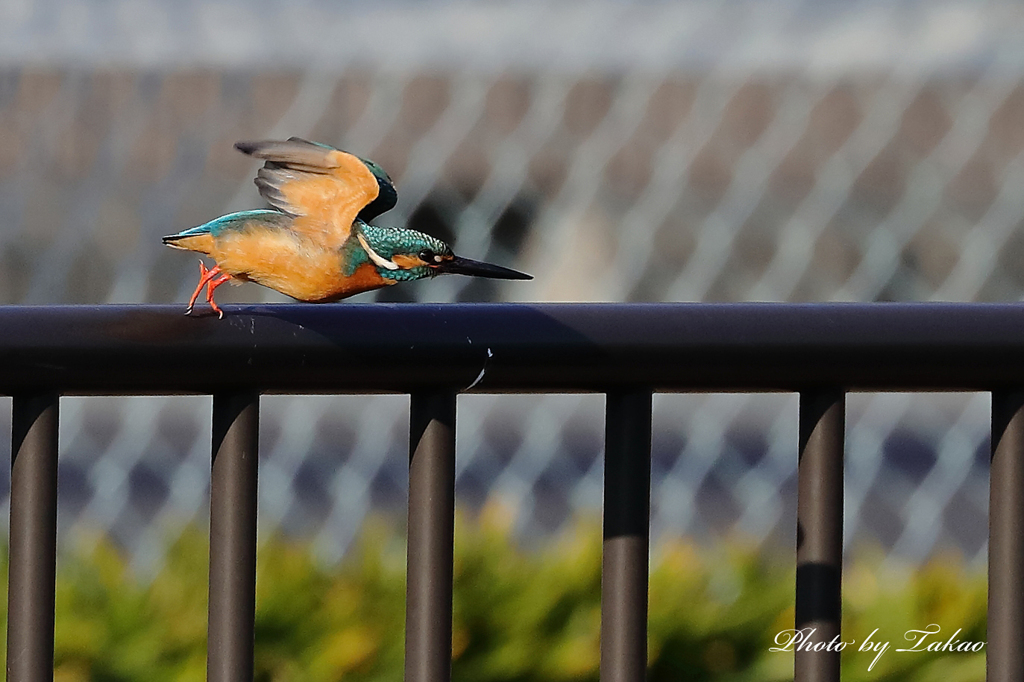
x: 588, y: 347
x: 433, y: 352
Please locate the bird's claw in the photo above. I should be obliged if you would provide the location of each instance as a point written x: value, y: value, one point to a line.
x: 206, y: 279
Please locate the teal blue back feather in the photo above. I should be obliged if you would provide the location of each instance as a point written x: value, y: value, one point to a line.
x: 235, y: 221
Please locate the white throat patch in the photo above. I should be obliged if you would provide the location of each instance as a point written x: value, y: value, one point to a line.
x: 376, y: 257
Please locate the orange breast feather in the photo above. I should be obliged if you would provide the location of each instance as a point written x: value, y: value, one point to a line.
x: 291, y: 264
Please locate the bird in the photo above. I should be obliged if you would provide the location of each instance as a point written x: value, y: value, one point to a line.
x: 316, y: 243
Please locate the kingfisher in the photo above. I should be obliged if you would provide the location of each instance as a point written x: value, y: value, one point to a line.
x: 315, y: 243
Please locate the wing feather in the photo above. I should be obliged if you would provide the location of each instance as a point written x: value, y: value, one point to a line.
x: 323, y: 188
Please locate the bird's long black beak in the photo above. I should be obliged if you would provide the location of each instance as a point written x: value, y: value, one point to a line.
x: 475, y: 268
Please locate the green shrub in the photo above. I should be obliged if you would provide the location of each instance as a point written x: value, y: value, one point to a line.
x: 519, y: 614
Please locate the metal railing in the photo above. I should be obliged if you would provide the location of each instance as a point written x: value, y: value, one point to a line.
x: 434, y: 352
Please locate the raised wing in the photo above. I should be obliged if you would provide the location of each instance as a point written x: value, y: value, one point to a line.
x: 323, y: 188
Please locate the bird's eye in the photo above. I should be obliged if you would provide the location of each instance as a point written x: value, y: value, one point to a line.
x: 428, y: 256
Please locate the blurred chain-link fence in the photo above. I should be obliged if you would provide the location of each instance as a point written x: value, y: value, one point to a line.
x: 618, y: 151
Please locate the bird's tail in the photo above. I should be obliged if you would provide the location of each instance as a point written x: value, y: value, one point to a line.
x: 201, y: 238
x: 195, y: 239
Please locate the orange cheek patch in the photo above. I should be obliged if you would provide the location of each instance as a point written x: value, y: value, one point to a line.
x: 407, y: 262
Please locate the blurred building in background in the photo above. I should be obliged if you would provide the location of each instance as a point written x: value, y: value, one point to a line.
x: 619, y: 151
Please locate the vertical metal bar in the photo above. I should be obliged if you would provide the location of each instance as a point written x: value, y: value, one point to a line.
x: 627, y: 514
x: 428, y: 600
x: 1005, y: 650
x: 819, y: 530
x: 33, y: 549
x: 236, y: 426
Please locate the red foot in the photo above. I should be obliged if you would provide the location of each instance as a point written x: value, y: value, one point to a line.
x: 211, y: 279
x: 209, y: 293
